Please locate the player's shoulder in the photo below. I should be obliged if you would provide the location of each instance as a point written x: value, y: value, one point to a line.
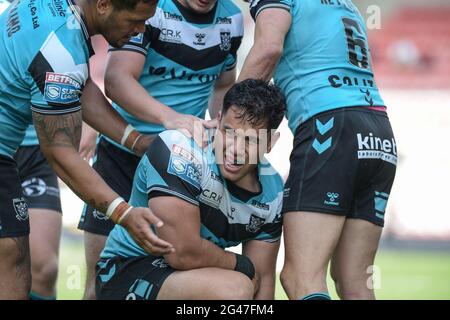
x: 270, y: 179
x: 181, y: 145
x: 229, y: 8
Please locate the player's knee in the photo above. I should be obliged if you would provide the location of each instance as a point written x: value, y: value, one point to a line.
x: 15, y: 256
x: 45, y: 271
x: 239, y: 287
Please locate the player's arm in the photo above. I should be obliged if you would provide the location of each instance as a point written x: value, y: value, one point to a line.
x: 100, y: 115
x: 182, y: 229
x: 225, y: 81
x: 123, y: 71
x: 272, y: 25
x: 264, y: 258
x: 59, y: 137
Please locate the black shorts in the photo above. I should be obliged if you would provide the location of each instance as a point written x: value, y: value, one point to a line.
x: 14, y: 220
x: 136, y: 278
x: 39, y: 181
x: 117, y: 168
x: 343, y: 163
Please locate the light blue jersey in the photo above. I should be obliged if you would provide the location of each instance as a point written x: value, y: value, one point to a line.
x: 31, y: 138
x: 175, y: 166
x: 326, y: 61
x: 185, y: 54
x: 44, y: 54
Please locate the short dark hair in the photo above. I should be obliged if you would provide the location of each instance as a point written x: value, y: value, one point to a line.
x: 258, y: 102
x: 129, y: 4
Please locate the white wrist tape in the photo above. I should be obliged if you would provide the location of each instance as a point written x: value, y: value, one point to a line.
x: 113, y: 206
x: 124, y: 215
x: 126, y: 133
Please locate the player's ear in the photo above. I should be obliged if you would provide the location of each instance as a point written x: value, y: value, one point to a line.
x: 219, y: 116
x: 104, y: 6
x: 274, y: 136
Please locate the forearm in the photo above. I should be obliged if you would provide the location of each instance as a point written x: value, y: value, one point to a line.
x: 216, y: 101
x: 128, y: 93
x: 100, y: 115
x: 203, y: 254
x: 260, y: 62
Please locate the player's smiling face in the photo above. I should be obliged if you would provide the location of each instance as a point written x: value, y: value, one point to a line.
x: 199, y: 6
x: 238, y: 146
x: 118, y: 26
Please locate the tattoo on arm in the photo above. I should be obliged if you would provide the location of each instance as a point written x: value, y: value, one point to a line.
x: 59, y: 130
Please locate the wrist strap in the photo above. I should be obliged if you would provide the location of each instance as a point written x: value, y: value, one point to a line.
x: 126, y: 134
x: 118, y: 209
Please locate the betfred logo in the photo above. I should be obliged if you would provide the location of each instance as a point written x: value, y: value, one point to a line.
x: 372, y: 147
x: 61, y: 89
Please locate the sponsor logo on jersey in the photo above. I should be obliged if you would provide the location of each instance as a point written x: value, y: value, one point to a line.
x: 172, y: 16
x: 260, y: 205
x: 139, y: 39
x: 210, y: 196
x: 21, y: 209
x: 372, y: 147
x: 169, y: 35
x: 225, y: 40
x: 223, y: 20
x: 200, y: 39
x: 185, y: 165
x: 255, y: 223
x: 61, y: 89
x: 58, y: 6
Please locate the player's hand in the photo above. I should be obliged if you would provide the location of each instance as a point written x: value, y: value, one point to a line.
x: 138, y: 223
x: 190, y: 126
x: 88, y: 142
x: 142, y: 144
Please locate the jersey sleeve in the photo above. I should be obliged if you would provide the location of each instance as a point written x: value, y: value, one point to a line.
x: 256, y: 6
x: 236, y: 40
x: 56, y: 80
x: 139, y: 43
x: 176, y: 167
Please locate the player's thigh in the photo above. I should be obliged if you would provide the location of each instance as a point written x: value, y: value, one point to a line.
x: 310, y: 238
x: 206, y: 283
x: 355, y: 253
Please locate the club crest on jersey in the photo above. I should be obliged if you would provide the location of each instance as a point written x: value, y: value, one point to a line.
x: 61, y: 89
x: 21, y: 209
x: 225, y: 39
x: 255, y: 224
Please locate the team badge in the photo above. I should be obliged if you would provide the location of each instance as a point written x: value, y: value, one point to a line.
x: 225, y: 39
x: 21, y: 208
x: 255, y: 224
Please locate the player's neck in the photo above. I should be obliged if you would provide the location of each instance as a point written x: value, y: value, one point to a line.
x: 88, y: 14
x: 249, y: 182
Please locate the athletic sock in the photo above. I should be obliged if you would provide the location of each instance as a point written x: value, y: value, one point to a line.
x: 36, y: 296
x: 317, y: 296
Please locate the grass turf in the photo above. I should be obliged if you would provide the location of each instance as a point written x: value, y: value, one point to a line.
x: 402, y: 274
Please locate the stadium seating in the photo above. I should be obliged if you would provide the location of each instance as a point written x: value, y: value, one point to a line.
x: 413, y: 49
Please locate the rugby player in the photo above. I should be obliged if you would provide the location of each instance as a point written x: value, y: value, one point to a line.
x: 209, y: 199
x: 44, y: 52
x: 41, y: 191
x: 344, y: 158
x: 163, y: 79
